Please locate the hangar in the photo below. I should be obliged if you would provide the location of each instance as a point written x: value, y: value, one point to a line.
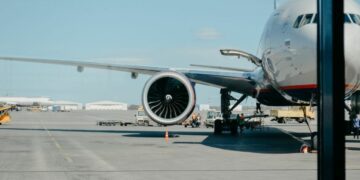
x: 106, y: 105
x: 65, y: 106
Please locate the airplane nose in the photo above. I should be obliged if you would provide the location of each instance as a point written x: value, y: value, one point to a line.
x: 352, y: 53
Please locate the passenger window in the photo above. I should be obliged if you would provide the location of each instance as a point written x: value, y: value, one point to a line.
x: 355, y: 18
x: 297, y: 22
x: 346, y: 19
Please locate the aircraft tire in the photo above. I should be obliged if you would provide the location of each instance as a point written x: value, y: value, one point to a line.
x: 218, y: 127
x: 355, y: 102
x: 234, y: 128
x: 314, y: 141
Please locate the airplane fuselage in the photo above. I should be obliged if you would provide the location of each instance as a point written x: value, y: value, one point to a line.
x: 289, y: 53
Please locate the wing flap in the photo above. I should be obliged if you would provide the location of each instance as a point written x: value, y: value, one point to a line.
x: 235, y: 81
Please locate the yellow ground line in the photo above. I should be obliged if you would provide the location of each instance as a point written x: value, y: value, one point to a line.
x: 58, y: 146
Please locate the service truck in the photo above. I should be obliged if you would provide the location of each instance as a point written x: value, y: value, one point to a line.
x: 141, y: 119
x: 211, y: 116
x: 294, y: 113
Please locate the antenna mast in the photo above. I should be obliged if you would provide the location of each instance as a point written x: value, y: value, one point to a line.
x: 275, y: 6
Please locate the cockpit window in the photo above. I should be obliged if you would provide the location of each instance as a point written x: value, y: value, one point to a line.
x: 306, y: 20
x: 297, y: 21
x: 346, y: 19
x: 316, y: 19
x: 355, y: 18
x: 303, y: 20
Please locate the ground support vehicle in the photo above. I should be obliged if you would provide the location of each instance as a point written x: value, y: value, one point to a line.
x: 113, y: 123
x: 141, y: 119
x: 211, y: 116
x: 190, y: 122
x: 296, y: 113
x: 4, y: 114
x: 253, y: 124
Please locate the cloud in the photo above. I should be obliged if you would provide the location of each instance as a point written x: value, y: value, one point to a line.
x: 208, y: 34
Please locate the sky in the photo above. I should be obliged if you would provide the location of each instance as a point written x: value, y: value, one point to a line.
x: 133, y: 32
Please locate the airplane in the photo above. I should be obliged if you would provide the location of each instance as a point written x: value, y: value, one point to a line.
x: 4, y: 114
x: 285, y: 73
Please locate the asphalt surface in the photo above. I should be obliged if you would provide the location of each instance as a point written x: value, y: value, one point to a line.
x: 70, y: 145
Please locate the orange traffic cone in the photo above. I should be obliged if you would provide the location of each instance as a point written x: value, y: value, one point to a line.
x: 166, y: 135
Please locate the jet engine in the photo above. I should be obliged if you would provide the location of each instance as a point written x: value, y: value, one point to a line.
x: 168, y: 98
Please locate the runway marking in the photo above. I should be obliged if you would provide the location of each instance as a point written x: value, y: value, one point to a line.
x: 100, y: 162
x: 58, y: 146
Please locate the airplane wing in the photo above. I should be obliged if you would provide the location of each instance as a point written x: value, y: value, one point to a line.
x: 82, y: 64
x: 234, y: 80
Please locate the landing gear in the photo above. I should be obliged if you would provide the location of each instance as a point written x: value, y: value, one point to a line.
x: 234, y: 124
x: 227, y: 122
x: 353, y: 110
x: 355, y: 102
x: 314, y: 141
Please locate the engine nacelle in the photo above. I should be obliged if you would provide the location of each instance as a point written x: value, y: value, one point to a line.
x: 168, y: 98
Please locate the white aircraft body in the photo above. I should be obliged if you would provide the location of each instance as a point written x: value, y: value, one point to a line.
x: 285, y: 72
x: 288, y: 50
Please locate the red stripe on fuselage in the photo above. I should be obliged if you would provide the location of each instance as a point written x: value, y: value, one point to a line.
x: 303, y: 86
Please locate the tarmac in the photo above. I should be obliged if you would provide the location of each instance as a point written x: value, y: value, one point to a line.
x: 69, y: 145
